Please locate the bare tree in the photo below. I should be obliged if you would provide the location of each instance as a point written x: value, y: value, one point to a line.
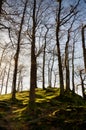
x: 62, y: 20
x: 83, y: 45
x: 21, y: 72
x: 1, y: 2
x: 16, y: 57
x: 58, y: 49
x: 38, y: 14
x: 8, y: 74
x: 82, y: 83
x: 33, y: 73
x: 73, y: 84
x: 67, y: 62
x: 67, y: 66
x: 3, y: 78
x: 44, y: 53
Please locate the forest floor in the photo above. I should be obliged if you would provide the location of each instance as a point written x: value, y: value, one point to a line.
x: 52, y: 112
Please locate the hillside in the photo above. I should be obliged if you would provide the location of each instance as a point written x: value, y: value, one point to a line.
x: 52, y: 112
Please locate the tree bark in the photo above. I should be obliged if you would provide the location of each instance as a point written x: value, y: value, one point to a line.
x: 33, y: 71
x: 8, y: 76
x: 16, y: 58
x: 3, y: 78
x: 82, y: 84
x: 83, y: 46
x: 43, y: 73
x: 67, y: 62
x: 73, y: 84
x: 1, y: 2
x: 58, y: 51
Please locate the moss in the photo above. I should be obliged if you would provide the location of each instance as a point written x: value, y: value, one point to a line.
x: 51, y: 111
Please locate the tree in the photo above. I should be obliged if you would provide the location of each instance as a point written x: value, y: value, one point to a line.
x: 82, y: 83
x: 83, y: 45
x: 67, y: 62
x: 67, y: 66
x: 73, y: 51
x: 38, y: 13
x: 8, y: 74
x: 44, y: 53
x: 21, y: 72
x: 58, y: 49
x: 16, y: 57
x: 3, y: 78
x: 82, y: 76
x: 1, y: 2
x: 33, y: 61
x: 63, y: 19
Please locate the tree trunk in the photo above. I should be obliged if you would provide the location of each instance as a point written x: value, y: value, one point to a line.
x: 33, y: 71
x: 82, y: 84
x: 3, y: 78
x: 17, y: 55
x: 83, y: 46
x: 55, y: 79
x: 73, y: 84
x: 21, y: 84
x: 8, y: 76
x: 19, y: 81
x: 1, y: 2
x: 67, y: 62
x: 44, y: 53
x: 49, y: 74
x: 43, y: 73
x: 58, y: 51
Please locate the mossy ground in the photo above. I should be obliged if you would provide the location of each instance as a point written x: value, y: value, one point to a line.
x: 52, y: 112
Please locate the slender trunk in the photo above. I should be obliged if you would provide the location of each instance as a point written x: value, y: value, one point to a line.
x: 44, y: 55
x: 19, y: 81
x: 83, y: 46
x: 52, y: 68
x: 73, y: 84
x: 32, y: 74
x: 36, y: 73
x: 67, y: 62
x: 50, y: 71
x: 33, y: 71
x: 21, y: 84
x: 16, y: 58
x: 1, y: 58
x: 59, y: 53
x: 8, y: 76
x: 54, y: 80
x: 82, y: 84
x: 49, y: 74
x: 3, y: 77
x: 1, y: 2
x: 43, y: 73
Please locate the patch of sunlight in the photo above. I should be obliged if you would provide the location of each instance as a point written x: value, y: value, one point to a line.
x: 5, y: 97
x: 22, y: 95
x: 40, y: 92
x: 25, y: 101
x: 50, y: 97
x: 40, y: 100
x: 18, y: 112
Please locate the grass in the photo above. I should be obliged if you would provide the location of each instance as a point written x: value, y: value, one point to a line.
x: 52, y: 112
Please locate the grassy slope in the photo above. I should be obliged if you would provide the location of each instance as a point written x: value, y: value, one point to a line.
x: 51, y: 112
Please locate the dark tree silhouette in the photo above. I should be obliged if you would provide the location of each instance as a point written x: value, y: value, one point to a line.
x: 1, y: 2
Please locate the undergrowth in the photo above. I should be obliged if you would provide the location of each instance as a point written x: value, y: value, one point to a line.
x: 51, y: 111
